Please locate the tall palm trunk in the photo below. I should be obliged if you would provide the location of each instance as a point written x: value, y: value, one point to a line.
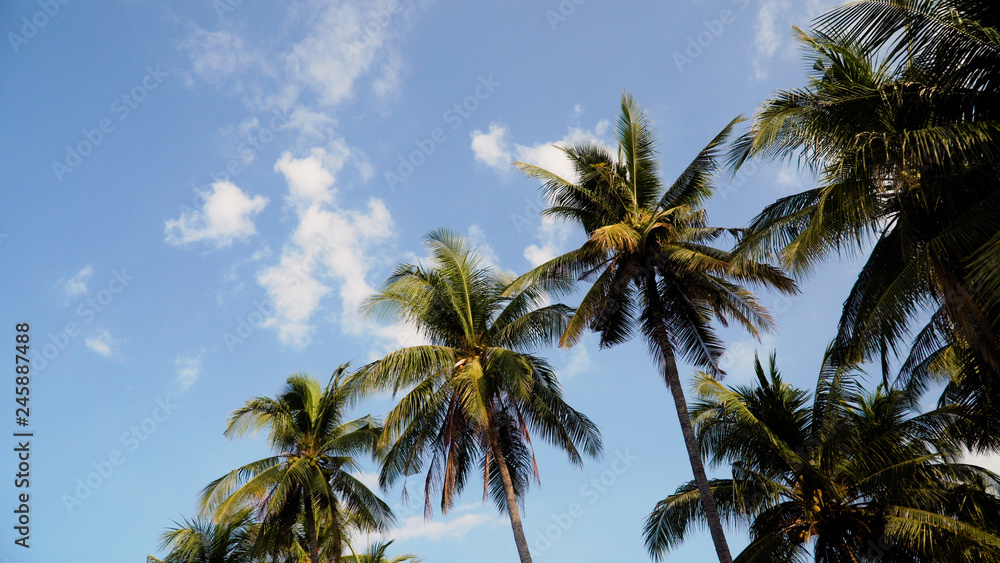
x: 515, y: 515
x: 312, y: 534
x: 335, y: 528
x: 673, y: 380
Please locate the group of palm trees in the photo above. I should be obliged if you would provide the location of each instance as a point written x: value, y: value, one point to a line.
x: 897, y: 122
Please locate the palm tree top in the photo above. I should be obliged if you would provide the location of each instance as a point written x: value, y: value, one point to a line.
x: 831, y: 473
x: 640, y: 233
x: 309, y: 482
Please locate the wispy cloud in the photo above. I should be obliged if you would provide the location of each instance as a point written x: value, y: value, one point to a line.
x: 435, y: 530
x: 77, y: 285
x: 773, y: 30
x: 188, y: 369
x: 577, y: 360
x: 103, y: 343
x: 347, y: 47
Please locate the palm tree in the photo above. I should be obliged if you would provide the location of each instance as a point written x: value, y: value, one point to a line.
x: 377, y: 554
x: 901, y: 122
x: 653, y: 267
x: 308, y: 482
x: 231, y: 540
x: 854, y: 476
x: 476, y: 392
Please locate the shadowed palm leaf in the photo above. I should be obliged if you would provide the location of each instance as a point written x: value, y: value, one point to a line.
x: 853, y: 476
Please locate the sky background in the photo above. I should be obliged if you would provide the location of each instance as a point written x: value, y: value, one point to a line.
x: 198, y: 195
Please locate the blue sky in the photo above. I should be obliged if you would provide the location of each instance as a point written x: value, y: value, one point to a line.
x: 197, y: 196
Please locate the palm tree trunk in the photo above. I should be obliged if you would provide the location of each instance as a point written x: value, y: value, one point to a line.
x: 515, y: 515
x: 312, y: 535
x: 847, y: 552
x: 673, y: 380
x: 335, y: 528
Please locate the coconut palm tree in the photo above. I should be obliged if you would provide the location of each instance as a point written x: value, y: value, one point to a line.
x: 650, y: 257
x: 230, y: 540
x: 901, y: 122
x: 889, y: 157
x: 477, y: 392
x: 376, y: 553
x: 308, y: 482
x: 852, y: 476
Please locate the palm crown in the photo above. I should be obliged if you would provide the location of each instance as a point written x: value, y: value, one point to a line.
x: 309, y: 481
x: 476, y: 392
x: 649, y: 245
x: 851, y: 475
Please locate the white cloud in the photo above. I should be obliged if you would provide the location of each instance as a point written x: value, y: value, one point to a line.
x: 308, y: 179
x: 495, y: 149
x: 986, y: 461
x: 225, y: 216
x: 329, y: 246
x: 296, y: 294
x: 577, y: 362
x: 77, y: 285
x: 477, y: 238
x: 390, y: 76
x: 491, y: 148
x: 216, y: 56
x: 345, y: 47
x: 341, y: 47
x: 737, y: 361
x: 435, y: 530
x: 188, y: 369
x: 344, y: 42
x: 103, y: 343
x: 774, y: 29
x: 391, y: 337
x: 552, y: 236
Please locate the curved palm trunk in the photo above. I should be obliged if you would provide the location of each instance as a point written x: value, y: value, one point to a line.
x: 673, y: 380
x: 515, y: 515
